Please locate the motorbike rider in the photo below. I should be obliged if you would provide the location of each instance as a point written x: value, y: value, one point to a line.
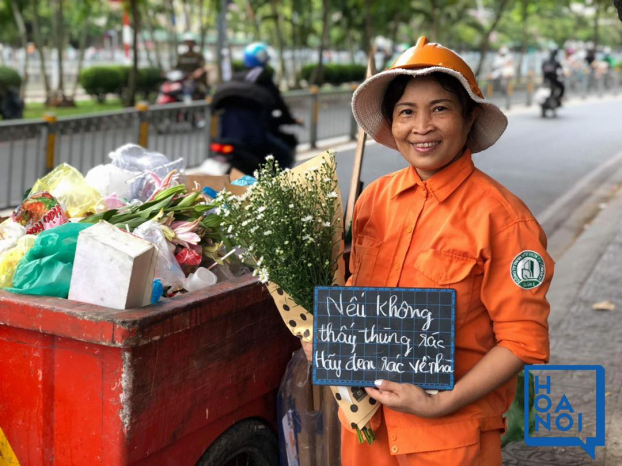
x: 282, y: 144
x: 503, y: 68
x: 192, y: 64
x: 553, y: 73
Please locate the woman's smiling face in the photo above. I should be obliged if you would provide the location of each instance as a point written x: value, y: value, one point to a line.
x: 428, y: 126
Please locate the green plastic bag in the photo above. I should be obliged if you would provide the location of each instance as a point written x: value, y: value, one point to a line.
x: 516, y: 414
x: 46, y: 269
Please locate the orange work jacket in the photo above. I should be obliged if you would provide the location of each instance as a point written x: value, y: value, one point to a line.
x: 459, y: 229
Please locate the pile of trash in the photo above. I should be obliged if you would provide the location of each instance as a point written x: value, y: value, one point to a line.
x: 127, y: 234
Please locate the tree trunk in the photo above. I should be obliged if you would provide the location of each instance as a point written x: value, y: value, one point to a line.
x: 83, y: 36
x: 252, y: 18
x: 21, y: 27
x: 187, y: 15
x: 319, y: 71
x: 295, y: 45
x: 369, y: 32
x: 40, y: 49
x: 597, y: 5
x: 524, y: 37
x: 172, y: 31
x: 60, y: 45
x: 131, y: 91
x: 148, y: 20
x: 434, y: 14
x: 485, y: 45
x: 279, y: 40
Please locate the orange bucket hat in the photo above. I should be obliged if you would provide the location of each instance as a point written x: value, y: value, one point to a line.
x: 422, y: 59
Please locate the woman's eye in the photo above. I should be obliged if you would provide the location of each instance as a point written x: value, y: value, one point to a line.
x: 439, y: 108
x: 406, y: 111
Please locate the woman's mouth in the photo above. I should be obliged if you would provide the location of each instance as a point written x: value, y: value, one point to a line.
x: 425, y: 147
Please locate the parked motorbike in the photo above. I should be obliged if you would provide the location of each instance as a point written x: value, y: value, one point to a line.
x: 177, y: 89
x: 243, y: 139
x: 11, y: 105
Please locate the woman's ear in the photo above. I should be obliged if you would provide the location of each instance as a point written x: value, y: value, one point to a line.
x: 474, y: 114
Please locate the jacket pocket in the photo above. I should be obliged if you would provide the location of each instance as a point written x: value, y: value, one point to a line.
x: 366, y: 251
x: 448, y: 270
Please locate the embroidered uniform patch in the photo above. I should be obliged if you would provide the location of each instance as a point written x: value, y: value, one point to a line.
x: 528, y: 270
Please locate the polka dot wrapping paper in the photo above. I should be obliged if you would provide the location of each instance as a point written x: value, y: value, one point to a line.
x: 356, y: 406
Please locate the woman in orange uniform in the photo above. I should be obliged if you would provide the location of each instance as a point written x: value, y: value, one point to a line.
x: 442, y: 223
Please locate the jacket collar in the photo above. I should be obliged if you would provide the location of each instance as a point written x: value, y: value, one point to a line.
x: 442, y: 183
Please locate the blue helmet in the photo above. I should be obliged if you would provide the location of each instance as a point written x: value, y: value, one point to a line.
x: 256, y: 54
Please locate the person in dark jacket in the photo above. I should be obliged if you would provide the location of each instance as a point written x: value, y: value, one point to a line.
x: 553, y: 72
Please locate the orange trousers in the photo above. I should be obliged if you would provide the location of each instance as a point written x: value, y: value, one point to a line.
x: 487, y: 452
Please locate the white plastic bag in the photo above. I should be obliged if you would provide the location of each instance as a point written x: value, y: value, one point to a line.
x: 144, y: 164
x: 135, y: 158
x: 109, y: 179
x: 167, y: 269
x: 10, y: 232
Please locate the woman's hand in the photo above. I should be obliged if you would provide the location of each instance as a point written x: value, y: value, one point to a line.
x: 492, y: 371
x: 411, y: 399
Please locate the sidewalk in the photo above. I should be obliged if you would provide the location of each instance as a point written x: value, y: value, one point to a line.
x: 590, y: 271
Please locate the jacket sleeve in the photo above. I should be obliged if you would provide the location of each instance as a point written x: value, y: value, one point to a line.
x: 517, y: 275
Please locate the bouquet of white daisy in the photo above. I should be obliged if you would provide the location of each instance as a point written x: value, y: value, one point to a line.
x: 290, y: 226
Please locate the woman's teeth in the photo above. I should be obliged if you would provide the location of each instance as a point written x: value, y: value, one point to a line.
x: 426, y: 144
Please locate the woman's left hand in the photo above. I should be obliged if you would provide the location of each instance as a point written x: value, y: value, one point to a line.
x: 411, y: 399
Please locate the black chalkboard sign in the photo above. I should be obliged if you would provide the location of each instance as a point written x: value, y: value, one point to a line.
x: 405, y: 335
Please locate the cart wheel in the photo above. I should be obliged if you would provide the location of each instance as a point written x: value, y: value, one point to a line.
x: 247, y: 443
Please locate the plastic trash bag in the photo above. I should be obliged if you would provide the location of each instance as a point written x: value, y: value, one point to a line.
x: 10, y: 232
x: 516, y: 414
x: 145, y: 164
x: 9, y: 259
x: 110, y: 179
x: 144, y: 185
x: 167, y: 268
x: 40, y: 211
x: 46, y: 269
x: 135, y: 158
x: 68, y: 185
x: 309, y: 428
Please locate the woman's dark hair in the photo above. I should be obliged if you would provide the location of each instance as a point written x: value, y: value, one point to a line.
x: 396, y: 89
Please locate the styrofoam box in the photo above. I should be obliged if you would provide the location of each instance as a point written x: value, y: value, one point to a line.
x: 112, y: 268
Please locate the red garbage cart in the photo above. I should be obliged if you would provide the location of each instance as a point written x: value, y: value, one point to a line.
x: 192, y: 380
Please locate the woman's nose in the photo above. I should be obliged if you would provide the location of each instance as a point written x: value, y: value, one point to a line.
x: 422, y: 123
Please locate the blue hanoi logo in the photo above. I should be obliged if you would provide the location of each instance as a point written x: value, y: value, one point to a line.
x: 559, y: 423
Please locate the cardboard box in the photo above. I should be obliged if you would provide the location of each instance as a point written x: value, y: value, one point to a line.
x: 217, y: 183
x: 112, y: 268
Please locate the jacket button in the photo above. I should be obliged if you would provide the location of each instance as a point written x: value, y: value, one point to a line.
x: 394, y: 449
x: 397, y: 266
x: 393, y: 437
x: 409, y: 229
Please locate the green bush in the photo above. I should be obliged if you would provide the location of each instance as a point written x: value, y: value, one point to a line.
x: 149, y: 80
x: 101, y: 80
x: 336, y: 74
x: 98, y: 81
x: 9, y: 78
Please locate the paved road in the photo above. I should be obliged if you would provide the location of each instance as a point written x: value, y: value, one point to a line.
x: 537, y: 159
